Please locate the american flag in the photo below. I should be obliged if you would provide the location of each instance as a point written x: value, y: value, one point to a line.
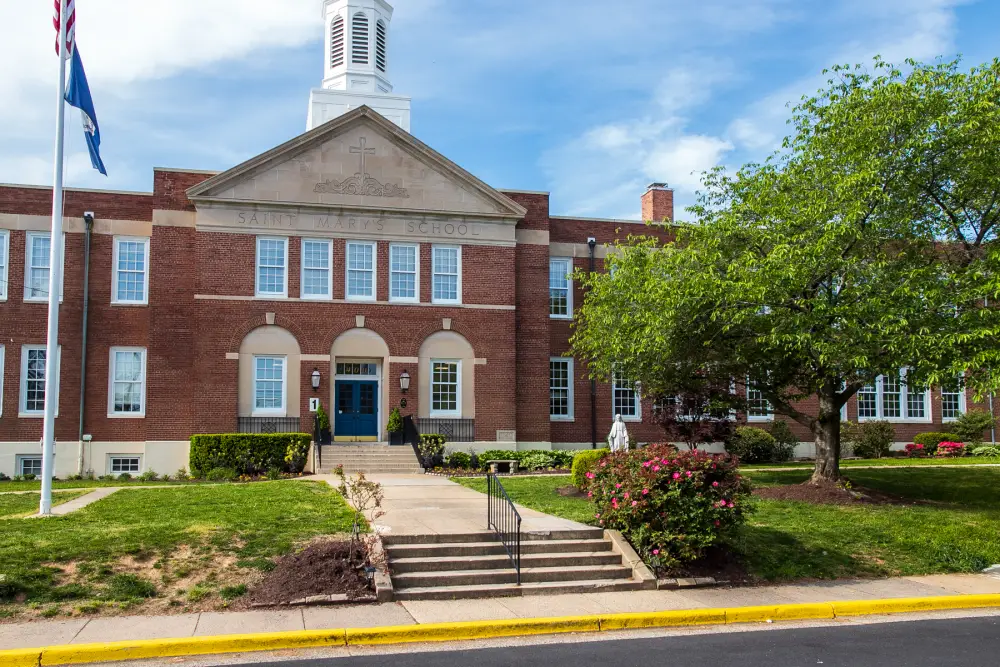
x: 70, y: 25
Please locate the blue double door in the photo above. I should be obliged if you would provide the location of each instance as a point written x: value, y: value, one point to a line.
x: 357, y: 411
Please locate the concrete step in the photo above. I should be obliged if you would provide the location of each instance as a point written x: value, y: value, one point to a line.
x: 508, y: 576
x: 501, y: 561
x: 489, y: 536
x: 460, y: 550
x: 513, y: 590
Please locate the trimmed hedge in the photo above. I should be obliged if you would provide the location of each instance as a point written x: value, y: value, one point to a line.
x: 249, y: 453
x: 584, y: 462
x: 752, y: 445
x: 559, y: 458
x: 931, y: 439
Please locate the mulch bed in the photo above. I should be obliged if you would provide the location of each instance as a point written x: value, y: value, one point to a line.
x: 718, y: 562
x: 829, y: 493
x: 322, y: 568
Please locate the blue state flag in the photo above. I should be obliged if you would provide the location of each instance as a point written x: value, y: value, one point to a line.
x: 78, y: 95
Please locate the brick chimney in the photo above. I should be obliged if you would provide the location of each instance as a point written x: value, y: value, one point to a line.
x: 658, y: 203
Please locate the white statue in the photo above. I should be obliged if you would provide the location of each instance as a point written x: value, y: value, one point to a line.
x: 618, y: 438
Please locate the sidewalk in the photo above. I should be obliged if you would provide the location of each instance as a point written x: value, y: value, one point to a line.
x: 111, y: 629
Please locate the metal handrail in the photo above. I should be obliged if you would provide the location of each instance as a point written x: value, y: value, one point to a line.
x: 505, y: 520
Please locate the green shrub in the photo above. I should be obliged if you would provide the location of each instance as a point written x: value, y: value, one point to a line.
x: 395, y: 423
x: 785, y: 441
x: 29, y: 477
x: 498, y: 455
x: 122, y: 587
x: 221, y: 475
x: 931, y: 439
x: 540, y: 460
x: 322, y: 419
x: 249, y: 453
x: 869, y: 440
x: 752, y: 445
x: 431, y: 448
x: 460, y: 460
x: 148, y: 476
x: 562, y: 458
x: 274, y: 473
x: 584, y: 462
x: 181, y: 475
x: 992, y: 451
x: 971, y: 426
x: 670, y: 505
x: 124, y: 477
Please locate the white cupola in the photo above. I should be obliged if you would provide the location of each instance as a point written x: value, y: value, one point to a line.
x: 356, y: 63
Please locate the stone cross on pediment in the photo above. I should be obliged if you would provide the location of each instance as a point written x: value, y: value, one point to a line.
x: 364, y: 151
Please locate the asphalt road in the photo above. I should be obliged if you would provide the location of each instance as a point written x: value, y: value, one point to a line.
x: 941, y: 643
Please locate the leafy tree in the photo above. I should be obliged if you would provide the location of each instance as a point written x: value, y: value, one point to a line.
x: 867, y: 244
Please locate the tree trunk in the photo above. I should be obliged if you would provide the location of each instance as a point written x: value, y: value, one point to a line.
x: 826, y: 432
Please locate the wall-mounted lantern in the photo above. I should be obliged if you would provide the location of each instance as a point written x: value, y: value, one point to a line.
x: 315, y: 379
x: 404, y: 381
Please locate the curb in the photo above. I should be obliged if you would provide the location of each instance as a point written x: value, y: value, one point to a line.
x: 442, y: 632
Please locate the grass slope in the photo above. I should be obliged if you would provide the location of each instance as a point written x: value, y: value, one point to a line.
x: 955, y: 531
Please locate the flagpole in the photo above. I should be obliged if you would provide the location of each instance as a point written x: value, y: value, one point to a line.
x: 55, y: 282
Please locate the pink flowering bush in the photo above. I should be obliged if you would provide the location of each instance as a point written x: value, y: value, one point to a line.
x: 670, y: 505
x: 949, y: 449
x: 915, y: 450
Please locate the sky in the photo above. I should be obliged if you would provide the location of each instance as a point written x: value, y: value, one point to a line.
x: 590, y: 101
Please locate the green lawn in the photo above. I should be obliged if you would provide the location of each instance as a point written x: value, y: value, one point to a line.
x: 36, y: 485
x: 957, y: 532
x: 20, y: 504
x: 184, y: 543
x: 928, y: 461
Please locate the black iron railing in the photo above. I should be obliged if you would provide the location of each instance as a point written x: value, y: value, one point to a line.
x: 454, y: 430
x: 504, y: 519
x: 270, y: 425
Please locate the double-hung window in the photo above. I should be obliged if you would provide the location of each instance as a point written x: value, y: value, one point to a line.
x: 758, y: 408
x: 952, y: 402
x: 404, y: 275
x: 37, y: 270
x: 317, y: 269
x: 4, y: 262
x: 131, y: 272
x: 625, y: 399
x: 127, y: 390
x: 892, y: 398
x: 446, y: 274
x: 272, y: 266
x: 269, y: 385
x: 561, y: 389
x: 360, y: 271
x: 34, y: 375
x: 560, y: 287
x: 446, y: 388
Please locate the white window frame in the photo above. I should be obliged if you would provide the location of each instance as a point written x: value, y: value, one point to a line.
x: 283, y: 294
x: 145, y: 273
x: 111, y: 384
x: 4, y: 263
x: 458, y: 275
x: 457, y: 412
x: 271, y: 412
x: 118, y: 457
x: 635, y: 397
x: 23, y: 399
x: 348, y: 269
x: 569, y: 416
x: 21, y: 458
x: 27, y: 268
x: 416, y: 273
x: 569, y: 289
x: 769, y: 417
x: 328, y: 295
x: 904, y: 391
x: 962, y: 406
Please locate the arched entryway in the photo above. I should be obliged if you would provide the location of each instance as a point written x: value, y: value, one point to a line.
x: 359, y: 361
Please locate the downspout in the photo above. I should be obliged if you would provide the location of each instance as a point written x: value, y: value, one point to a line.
x: 88, y: 220
x: 592, y: 244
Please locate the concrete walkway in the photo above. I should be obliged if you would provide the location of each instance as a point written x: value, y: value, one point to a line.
x: 431, y: 505
x: 85, y: 631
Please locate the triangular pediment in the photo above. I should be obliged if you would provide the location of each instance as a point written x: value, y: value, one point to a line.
x: 359, y: 160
